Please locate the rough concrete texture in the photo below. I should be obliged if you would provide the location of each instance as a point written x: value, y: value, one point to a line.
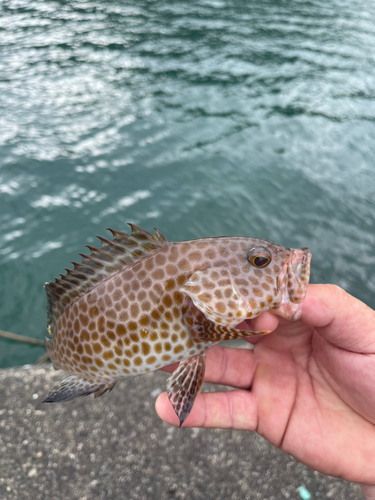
x: 115, y: 447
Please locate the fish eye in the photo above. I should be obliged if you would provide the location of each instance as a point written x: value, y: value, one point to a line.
x: 260, y: 261
x: 259, y: 257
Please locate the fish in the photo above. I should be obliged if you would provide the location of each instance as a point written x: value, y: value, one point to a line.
x: 140, y: 303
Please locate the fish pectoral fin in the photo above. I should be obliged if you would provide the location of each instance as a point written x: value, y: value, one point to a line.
x: 184, y: 384
x: 214, y: 292
x: 203, y: 330
x: 73, y: 387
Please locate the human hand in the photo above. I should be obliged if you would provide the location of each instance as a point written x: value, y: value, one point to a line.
x: 308, y: 387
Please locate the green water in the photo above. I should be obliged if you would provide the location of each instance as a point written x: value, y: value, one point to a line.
x: 200, y: 118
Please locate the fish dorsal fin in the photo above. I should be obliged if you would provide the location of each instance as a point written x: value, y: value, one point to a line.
x: 102, y: 262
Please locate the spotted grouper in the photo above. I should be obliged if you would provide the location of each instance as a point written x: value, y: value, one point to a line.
x: 140, y: 303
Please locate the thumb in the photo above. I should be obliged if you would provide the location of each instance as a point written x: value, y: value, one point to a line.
x: 340, y: 318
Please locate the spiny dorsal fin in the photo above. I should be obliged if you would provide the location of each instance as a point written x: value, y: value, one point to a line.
x: 113, y: 255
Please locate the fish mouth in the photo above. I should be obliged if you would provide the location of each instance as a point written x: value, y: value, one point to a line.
x: 292, y: 284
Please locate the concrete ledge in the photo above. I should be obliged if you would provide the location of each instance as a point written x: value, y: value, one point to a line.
x: 115, y: 447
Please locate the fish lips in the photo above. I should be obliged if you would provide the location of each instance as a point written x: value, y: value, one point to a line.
x: 292, y: 284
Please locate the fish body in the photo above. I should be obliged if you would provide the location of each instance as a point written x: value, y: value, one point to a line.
x: 140, y: 303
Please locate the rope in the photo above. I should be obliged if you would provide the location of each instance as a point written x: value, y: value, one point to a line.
x: 29, y: 340
x: 21, y: 338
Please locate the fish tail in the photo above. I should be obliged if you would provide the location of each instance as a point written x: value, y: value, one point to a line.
x: 48, y: 343
x: 52, y: 312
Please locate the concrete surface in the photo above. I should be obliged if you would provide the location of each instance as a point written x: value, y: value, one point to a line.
x: 115, y: 447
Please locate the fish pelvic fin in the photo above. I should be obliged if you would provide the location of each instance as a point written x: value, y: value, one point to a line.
x: 121, y: 251
x: 184, y: 384
x: 74, y: 387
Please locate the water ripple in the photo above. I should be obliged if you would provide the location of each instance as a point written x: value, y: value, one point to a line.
x: 208, y: 117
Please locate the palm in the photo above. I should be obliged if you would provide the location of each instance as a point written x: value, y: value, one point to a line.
x: 311, y: 386
x: 302, y: 405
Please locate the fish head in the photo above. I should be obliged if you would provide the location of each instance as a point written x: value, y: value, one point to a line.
x: 280, y: 275
x: 258, y: 276
x: 283, y: 272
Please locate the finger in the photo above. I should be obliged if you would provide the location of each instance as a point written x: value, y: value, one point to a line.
x: 227, y: 366
x: 264, y: 322
x: 369, y: 491
x: 340, y: 318
x: 223, y: 410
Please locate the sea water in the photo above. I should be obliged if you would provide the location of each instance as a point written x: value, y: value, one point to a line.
x: 200, y: 118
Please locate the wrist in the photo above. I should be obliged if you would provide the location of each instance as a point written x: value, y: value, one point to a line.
x: 369, y: 491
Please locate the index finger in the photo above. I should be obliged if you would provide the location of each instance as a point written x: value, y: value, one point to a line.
x: 229, y: 366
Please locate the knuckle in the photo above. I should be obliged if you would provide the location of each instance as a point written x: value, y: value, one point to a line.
x: 336, y: 291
